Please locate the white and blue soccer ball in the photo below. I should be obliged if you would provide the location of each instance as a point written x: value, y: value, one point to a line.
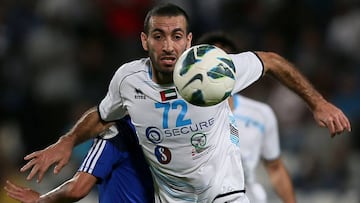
x: 204, y: 75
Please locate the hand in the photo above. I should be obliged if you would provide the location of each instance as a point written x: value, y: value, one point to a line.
x: 327, y: 115
x: 58, y: 153
x: 23, y: 194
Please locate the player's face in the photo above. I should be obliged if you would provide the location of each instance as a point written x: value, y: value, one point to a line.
x: 166, y: 41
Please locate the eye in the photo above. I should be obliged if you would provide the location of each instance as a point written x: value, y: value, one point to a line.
x: 157, y: 37
x: 178, y: 37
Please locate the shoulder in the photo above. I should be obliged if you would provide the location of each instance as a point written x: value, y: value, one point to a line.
x: 248, y: 57
x: 130, y: 69
x: 248, y: 69
x: 133, y: 67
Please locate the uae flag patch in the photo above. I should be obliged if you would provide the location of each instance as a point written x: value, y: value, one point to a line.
x: 168, y: 94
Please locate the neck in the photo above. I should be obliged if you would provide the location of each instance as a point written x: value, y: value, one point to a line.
x: 161, y: 77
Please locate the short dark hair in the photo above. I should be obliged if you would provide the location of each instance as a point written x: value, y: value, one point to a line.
x: 165, y: 9
x: 218, y: 37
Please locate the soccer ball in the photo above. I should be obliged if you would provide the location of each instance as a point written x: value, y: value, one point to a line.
x: 204, y: 75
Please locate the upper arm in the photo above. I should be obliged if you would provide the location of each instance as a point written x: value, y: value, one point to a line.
x: 111, y: 107
x: 279, y: 67
x: 269, y: 60
x: 249, y: 69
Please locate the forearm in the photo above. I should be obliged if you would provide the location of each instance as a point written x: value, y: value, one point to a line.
x: 59, y: 195
x: 281, y: 182
x: 287, y: 74
x: 72, y: 190
x: 87, y: 127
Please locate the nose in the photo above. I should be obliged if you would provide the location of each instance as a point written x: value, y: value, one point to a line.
x: 168, y: 45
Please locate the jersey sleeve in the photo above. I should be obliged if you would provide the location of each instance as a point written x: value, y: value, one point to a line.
x: 101, y: 158
x: 249, y: 68
x: 271, y: 143
x: 111, y: 107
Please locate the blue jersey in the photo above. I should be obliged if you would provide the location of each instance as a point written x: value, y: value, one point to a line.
x: 119, y: 165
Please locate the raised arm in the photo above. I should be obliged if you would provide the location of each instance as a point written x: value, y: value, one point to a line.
x: 59, y: 153
x: 280, y: 180
x: 325, y: 113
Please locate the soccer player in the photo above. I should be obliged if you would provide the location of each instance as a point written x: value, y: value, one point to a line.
x: 187, y: 147
x: 115, y: 163
x: 259, y: 136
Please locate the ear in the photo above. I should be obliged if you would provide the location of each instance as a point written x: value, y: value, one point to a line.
x: 189, y: 40
x: 143, y: 37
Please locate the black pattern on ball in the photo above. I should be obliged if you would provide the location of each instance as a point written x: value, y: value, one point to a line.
x: 197, y: 98
x: 204, y: 75
x: 220, y: 71
x: 229, y: 63
x: 188, y: 62
x: 201, y: 51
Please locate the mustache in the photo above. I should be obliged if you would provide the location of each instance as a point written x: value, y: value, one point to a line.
x: 168, y: 56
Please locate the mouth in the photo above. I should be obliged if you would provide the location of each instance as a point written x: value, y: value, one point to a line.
x: 168, y: 60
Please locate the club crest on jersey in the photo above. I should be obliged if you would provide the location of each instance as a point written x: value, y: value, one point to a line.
x: 198, y: 141
x: 139, y: 94
x: 168, y: 94
x: 201, y: 146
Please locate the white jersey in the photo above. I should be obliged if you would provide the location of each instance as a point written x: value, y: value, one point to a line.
x: 259, y: 138
x: 188, y: 148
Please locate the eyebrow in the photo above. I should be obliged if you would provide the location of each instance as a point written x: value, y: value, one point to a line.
x: 162, y: 31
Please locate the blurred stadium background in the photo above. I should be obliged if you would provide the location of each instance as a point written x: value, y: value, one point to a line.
x: 58, y: 56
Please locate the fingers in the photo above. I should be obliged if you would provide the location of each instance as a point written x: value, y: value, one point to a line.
x: 333, y: 119
x: 58, y: 167
x: 37, y: 167
x: 28, y: 165
x: 331, y: 127
x: 342, y: 124
x: 328, y: 115
x: 40, y: 161
x: 322, y: 124
x: 34, y: 168
x: 338, y: 125
x: 346, y: 123
x: 32, y: 155
x: 13, y: 190
x: 22, y: 194
x: 10, y: 186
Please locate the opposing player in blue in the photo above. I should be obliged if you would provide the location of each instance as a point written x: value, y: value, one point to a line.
x: 187, y: 147
x: 259, y: 136
x: 115, y: 163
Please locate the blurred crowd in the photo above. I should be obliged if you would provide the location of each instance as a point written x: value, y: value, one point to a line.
x: 58, y: 56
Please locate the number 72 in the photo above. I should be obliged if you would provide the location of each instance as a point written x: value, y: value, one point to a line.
x: 180, y: 120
